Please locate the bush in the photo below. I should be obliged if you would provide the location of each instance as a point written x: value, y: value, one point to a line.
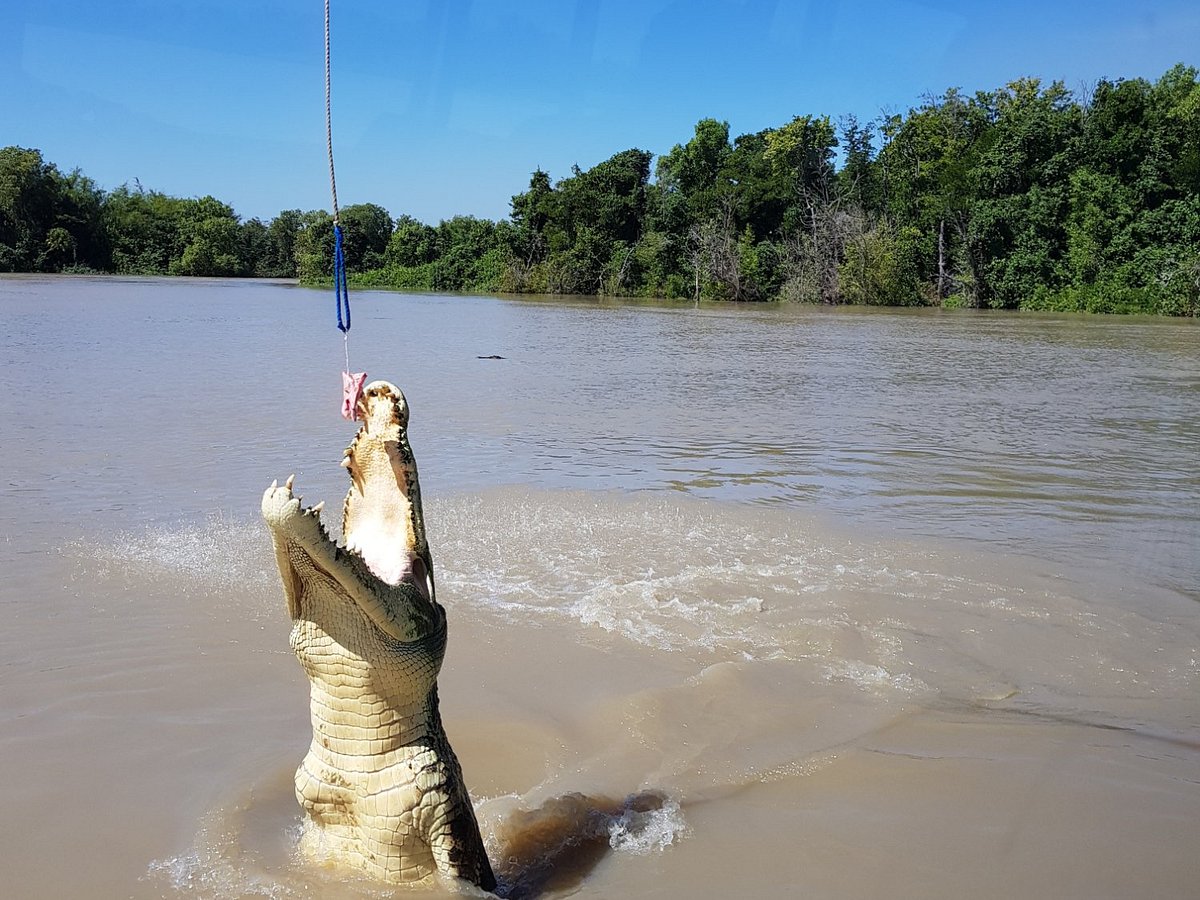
x: 409, y: 278
x: 1103, y: 297
x: 880, y: 270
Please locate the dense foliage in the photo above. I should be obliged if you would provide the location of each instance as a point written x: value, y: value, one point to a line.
x: 1025, y: 197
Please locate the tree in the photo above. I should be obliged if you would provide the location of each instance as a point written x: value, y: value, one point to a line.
x: 532, y: 215
x: 142, y: 227
x: 1020, y: 197
x: 802, y: 153
x: 465, y: 254
x: 858, y: 181
x: 59, y: 250
x: 280, y: 250
x: 314, y: 246
x: 695, y: 170
x: 207, y: 239
x: 609, y: 198
x: 762, y: 192
x: 254, y: 250
x: 928, y: 173
x: 80, y: 211
x: 1017, y: 236
x: 1175, y: 100
x: 366, y: 229
x: 412, y: 243
x: 878, y: 268
x: 28, y: 191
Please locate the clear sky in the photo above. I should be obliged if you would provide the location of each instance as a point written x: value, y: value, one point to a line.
x: 446, y: 106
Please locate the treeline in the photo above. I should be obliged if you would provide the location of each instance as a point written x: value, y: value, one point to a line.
x: 1027, y: 197
x: 56, y: 222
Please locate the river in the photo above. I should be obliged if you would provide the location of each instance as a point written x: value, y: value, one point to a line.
x: 743, y: 601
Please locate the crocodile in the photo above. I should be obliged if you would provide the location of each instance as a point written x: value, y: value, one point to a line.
x: 381, y: 788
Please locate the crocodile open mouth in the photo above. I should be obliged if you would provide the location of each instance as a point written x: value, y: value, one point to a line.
x: 381, y: 518
x: 383, y: 526
x: 382, y: 522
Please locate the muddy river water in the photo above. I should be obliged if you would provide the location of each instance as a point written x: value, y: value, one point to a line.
x: 763, y: 602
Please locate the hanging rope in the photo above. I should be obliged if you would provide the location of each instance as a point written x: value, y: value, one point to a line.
x: 352, y: 382
x: 329, y: 121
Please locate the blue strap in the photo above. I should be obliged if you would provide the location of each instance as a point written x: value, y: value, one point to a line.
x: 341, y: 294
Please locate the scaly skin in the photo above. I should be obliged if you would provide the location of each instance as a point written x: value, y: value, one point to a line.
x: 381, y: 788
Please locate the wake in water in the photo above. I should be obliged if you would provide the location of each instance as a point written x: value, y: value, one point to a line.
x: 552, y: 848
x: 747, y: 648
x: 546, y: 850
x: 718, y: 582
x: 893, y: 618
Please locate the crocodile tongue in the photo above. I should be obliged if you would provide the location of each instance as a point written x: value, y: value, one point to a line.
x: 381, y: 518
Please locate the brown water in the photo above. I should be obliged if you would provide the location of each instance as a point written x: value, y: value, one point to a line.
x: 743, y: 602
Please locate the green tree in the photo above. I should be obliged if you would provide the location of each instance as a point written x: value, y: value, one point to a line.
x: 802, y: 155
x: 1023, y: 196
x: 879, y: 267
x: 59, y: 250
x: 412, y: 243
x: 927, y: 169
x: 142, y: 227
x: 254, y: 250
x: 537, y: 220
x: 1176, y: 102
x: 366, y: 229
x: 695, y: 171
x: 80, y: 212
x: 1017, y: 237
x: 281, y: 244
x: 762, y: 191
x: 609, y: 198
x: 466, y: 254
x: 207, y: 242
x: 802, y: 151
x: 858, y: 179
x: 314, y: 247
x: 1099, y: 223
x: 28, y: 194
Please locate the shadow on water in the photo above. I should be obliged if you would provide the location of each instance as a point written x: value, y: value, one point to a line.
x: 553, y: 848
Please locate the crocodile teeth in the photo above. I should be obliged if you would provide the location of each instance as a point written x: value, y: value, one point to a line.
x: 275, y: 484
x: 288, y: 484
x: 345, y: 463
x: 316, y: 510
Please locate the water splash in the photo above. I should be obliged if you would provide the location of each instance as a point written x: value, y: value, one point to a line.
x: 553, y: 847
x: 215, y: 555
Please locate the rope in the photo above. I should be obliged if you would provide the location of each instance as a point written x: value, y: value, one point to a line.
x: 341, y: 294
x: 352, y: 382
x: 329, y: 120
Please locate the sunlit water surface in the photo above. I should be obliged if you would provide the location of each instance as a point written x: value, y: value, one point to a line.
x: 743, y: 601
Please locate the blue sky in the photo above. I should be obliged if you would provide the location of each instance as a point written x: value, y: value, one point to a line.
x: 446, y: 106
